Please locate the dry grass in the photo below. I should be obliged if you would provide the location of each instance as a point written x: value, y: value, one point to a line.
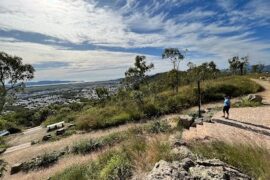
x: 26, y: 154
x: 63, y: 164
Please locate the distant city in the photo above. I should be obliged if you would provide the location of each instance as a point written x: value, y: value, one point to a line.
x: 45, y: 93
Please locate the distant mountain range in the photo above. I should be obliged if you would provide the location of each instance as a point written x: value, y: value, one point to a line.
x: 267, y: 68
x: 45, y: 83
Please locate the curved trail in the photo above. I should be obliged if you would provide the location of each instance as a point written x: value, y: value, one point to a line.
x: 247, y: 125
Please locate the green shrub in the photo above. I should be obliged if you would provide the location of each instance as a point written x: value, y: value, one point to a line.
x: 2, y: 143
x: 158, y: 127
x: 150, y: 110
x: 3, y: 165
x: 85, y: 147
x: 251, y: 159
x: 247, y: 103
x: 42, y: 161
x: 118, y: 167
x: 110, y: 165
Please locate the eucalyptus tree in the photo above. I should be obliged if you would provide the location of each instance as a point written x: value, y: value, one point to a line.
x: 175, y: 56
x: 238, y: 64
x: 13, y: 75
x: 200, y: 73
x: 136, y: 75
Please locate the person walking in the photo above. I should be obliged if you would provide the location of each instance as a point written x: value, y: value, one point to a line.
x: 226, y: 107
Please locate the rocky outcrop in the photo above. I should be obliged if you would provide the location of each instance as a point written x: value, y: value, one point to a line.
x: 188, y: 169
x: 191, y: 167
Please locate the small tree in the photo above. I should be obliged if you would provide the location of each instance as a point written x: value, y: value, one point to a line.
x: 200, y: 73
x: 238, y: 64
x: 175, y: 56
x: 136, y: 75
x: 102, y: 93
x: 13, y: 74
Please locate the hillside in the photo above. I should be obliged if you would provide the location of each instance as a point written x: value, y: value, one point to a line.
x: 117, y: 134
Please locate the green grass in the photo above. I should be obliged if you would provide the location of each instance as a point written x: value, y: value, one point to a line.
x: 246, y: 103
x: 251, y: 159
x: 125, y: 107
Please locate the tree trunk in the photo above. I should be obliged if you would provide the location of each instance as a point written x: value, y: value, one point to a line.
x: 2, y: 103
x: 177, y: 81
x: 199, y: 98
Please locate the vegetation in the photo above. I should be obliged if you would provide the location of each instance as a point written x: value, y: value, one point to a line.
x: 175, y: 56
x: 137, y: 154
x: 13, y: 74
x: 238, y: 65
x: 42, y: 161
x: 134, y: 106
x: 247, y: 103
x: 3, y: 165
x: 251, y: 159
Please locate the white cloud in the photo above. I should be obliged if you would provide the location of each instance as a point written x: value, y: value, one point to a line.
x: 130, y: 25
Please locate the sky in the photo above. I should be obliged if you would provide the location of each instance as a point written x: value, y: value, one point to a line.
x: 92, y: 40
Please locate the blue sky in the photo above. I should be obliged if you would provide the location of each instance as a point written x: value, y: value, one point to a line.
x: 98, y: 39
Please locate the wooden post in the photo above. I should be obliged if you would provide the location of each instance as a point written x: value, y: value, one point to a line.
x: 199, y: 98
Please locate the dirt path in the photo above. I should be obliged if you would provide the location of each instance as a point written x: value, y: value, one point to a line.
x: 258, y: 116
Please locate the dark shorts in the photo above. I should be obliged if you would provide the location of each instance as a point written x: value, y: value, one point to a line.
x: 226, y: 109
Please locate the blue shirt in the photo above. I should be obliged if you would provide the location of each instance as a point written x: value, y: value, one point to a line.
x: 227, y: 102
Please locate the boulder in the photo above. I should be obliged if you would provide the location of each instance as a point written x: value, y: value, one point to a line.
x: 60, y: 131
x: 185, y: 121
x: 200, y: 169
x: 254, y: 98
x: 46, y: 137
x: 183, y: 151
x: 187, y: 163
x: 215, y: 169
x: 197, y: 121
x: 263, y: 78
x: 166, y: 170
x: 16, y: 168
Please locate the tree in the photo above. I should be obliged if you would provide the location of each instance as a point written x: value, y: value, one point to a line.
x: 136, y: 75
x: 238, y: 64
x: 102, y: 93
x: 200, y: 73
x: 13, y: 75
x: 175, y: 56
x: 257, y: 68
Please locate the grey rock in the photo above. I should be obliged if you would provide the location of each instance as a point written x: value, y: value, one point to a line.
x: 187, y: 163
x: 166, y: 170
x: 16, y: 168
x: 254, y: 98
x: 183, y: 152
x: 46, y: 137
x: 197, y: 121
x: 186, y: 121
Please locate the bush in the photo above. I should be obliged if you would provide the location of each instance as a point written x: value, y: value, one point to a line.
x: 251, y: 159
x: 158, y: 127
x: 88, y: 146
x: 111, y: 165
x: 42, y: 161
x: 2, y: 143
x: 3, y: 165
x: 85, y: 147
x: 246, y: 103
x: 118, y: 167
